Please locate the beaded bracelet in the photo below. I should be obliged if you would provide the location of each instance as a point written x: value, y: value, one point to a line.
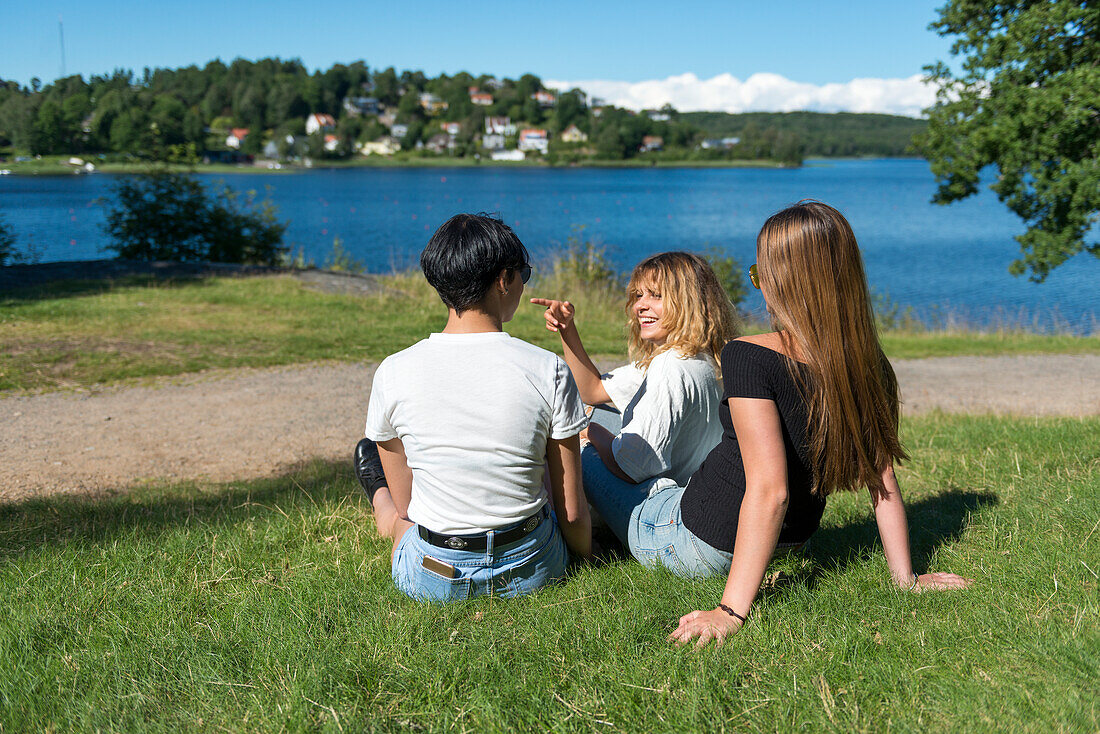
x: 732, y: 613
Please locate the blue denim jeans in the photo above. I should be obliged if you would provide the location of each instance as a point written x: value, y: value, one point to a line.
x: 646, y: 518
x: 521, y: 567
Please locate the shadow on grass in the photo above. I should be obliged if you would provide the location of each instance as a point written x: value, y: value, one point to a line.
x: 77, y: 287
x: 59, y: 522
x: 933, y: 521
x: 62, y: 522
x: 21, y: 283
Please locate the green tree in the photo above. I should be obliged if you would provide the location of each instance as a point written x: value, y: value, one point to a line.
x: 173, y: 216
x: 1026, y: 100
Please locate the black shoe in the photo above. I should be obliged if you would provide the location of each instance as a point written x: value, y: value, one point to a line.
x: 368, y: 468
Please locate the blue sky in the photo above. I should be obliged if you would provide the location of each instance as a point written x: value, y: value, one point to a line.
x: 810, y: 43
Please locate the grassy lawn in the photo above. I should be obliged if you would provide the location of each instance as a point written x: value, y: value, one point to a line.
x: 267, y: 606
x: 82, y: 333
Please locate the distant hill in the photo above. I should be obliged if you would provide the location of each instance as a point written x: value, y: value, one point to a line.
x: 820, y: 134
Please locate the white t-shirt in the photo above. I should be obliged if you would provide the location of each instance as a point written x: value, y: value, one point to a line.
x: 670, y: 415
x: 474, y: 412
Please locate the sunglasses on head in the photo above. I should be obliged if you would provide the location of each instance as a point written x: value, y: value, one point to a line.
x: 524, y: 272
x: 753, y: 276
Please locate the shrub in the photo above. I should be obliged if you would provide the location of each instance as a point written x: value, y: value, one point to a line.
x: 172, y: 216
x: 584, y: 263
x: 340, y: 260
x: 729, y: 273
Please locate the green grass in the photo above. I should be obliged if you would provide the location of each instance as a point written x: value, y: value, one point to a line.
x: 72, y: 334
x: 267, y: 606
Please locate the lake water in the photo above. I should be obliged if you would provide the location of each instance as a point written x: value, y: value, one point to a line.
x: 929, y: 257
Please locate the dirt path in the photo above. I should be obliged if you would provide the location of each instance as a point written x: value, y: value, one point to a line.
x: 257, y: 423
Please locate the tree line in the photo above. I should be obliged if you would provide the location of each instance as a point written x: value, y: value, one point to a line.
x: 163, y: 111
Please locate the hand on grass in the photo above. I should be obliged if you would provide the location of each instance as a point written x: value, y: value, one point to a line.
x: 713, y: 625
x: 559, y: 314
x: 939, y: 582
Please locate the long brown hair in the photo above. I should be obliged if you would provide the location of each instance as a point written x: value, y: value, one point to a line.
x: 811, y: 274
x: 696, y: 310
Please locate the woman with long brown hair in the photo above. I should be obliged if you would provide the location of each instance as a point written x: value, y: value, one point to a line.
x: 808, y: 409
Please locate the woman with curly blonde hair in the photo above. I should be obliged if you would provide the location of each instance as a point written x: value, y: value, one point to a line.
x: 678, y: 318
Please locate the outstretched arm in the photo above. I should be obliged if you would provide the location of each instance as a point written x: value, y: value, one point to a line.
x: 893, y: 529
x: 760, y: 436
x: 563, y: 461
x: 559, y: 318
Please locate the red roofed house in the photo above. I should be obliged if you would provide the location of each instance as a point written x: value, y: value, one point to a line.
x: 481, y: 98
x: 236, y: 137
x: 331, y: 143
x: 652, y: 142
x: 534, y: 139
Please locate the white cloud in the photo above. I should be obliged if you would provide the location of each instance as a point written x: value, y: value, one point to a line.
x: 761, y: 93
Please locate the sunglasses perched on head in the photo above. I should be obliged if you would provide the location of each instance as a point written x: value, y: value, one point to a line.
x: 753, y: 276
x: 524, y: 272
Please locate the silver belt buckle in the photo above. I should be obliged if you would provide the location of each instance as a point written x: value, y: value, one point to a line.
x: 454, y: 543
x: 532, y: 523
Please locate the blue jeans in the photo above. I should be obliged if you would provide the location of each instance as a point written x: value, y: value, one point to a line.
x: 650, y: 526
x: 521, y: 567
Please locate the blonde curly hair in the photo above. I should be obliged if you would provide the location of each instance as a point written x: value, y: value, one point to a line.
x: 696, y: 310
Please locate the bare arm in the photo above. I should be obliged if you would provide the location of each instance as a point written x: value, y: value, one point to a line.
x: 563, y: 460
x: 398, y: 474
x: 760, y: 436
x: 601, y: 439
x: 559, y: 318
x: 893, y: 529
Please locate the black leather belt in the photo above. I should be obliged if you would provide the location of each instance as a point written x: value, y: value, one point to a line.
x: 479, y: 542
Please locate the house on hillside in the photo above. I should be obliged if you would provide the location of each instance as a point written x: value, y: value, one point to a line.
x: 492, y: 141
x: 236, y: 138
x: 432, y: 104
x: 320, y: 122
x: 534, y: 139
x: 385, y: 145
x: 545, y: 98
x: 483, y: 99
x: 399, y: 130
x: 358, y: 106
x: 652, y: 143
x: 499, y: 126
x: 573, y: 134
x: 440, y: 143
x: 658, y: 115
x: 332, y: 142
x: 452, y: 128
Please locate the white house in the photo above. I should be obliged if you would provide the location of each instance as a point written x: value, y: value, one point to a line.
x: 499, y: 126
x: 534, y: 139
x: 492, y: 141
x: 319, y: 122
x: 356, y: 106
x: 452, y: 128
x: 331, y: 143
x: 508, y: 155
x: 544, y: 98
x: 399, y: 130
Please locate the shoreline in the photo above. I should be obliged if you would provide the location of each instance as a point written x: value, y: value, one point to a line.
x: 46, y: 168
